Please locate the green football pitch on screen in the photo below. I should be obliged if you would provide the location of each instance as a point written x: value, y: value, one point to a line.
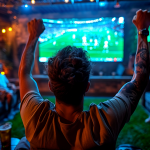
x: 102, y: 38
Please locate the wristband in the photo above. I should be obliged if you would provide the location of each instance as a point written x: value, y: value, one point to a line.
x: 144, y: 32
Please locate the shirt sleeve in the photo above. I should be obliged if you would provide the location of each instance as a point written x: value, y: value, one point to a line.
x: 115, y: 113
x: 33, y: 109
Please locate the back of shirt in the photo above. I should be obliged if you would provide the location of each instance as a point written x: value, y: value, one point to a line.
x: 97, y: 128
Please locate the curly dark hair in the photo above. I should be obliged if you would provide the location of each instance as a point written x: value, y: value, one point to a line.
x: 69, y: 72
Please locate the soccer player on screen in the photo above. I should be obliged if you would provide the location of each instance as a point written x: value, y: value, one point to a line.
x: 65, y: 125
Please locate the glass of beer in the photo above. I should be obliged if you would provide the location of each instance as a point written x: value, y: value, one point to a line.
x: 5, y: 135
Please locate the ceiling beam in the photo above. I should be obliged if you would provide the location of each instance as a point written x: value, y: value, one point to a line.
x: 13, y: 3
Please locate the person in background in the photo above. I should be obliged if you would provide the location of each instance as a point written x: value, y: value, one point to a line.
x: 65, y: 125
x: 9, y: 93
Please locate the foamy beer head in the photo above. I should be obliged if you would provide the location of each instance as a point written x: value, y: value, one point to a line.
x: 5, y: 126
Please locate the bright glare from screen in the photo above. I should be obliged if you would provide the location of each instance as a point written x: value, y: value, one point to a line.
x: 121, y: 20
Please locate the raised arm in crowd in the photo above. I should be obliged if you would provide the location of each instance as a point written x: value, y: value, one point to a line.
x: 134, y: 89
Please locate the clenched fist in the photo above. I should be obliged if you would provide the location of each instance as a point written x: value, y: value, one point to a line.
x: 142, y: 19
x: 36, y: 27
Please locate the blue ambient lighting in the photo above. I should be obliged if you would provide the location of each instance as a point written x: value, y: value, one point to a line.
x: 102, y: 4
x: 26, y: 5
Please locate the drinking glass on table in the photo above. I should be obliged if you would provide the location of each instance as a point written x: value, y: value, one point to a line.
x: 5, y: 135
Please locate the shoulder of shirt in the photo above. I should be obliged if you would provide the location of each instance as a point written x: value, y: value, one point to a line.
x: 35, y: 94
x: 31, y: 93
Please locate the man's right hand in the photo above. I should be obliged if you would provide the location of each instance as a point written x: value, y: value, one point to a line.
x: 142, y: 19
x: 36, y: 27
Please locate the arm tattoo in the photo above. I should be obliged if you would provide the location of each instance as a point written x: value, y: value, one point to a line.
x: 144, y: 55
x: 27, y: 59
x: 141, y: 64
x: 134, y: 89
x: 137, y: 58
x: 140, y: 68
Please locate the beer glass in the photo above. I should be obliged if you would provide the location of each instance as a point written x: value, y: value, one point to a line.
x: 5, y: 135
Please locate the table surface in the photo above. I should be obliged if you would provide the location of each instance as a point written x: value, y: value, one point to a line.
x: 14, y: 142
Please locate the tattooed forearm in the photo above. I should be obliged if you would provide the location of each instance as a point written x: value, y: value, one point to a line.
x: 141, y: 70
x: 144, y: 55
x: 134, y: 89
x: 27, y: 59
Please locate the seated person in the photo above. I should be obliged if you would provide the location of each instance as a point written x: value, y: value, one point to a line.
x: 8, y: 91
x: 65, y: 125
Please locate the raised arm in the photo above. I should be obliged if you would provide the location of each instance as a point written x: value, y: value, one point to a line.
x: 134, y: 89
x: 26, y: 82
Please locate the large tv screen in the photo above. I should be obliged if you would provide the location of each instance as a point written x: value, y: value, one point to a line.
x: 103, y: 38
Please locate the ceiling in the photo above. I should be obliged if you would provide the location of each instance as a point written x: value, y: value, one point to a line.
x: 15, y: 7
